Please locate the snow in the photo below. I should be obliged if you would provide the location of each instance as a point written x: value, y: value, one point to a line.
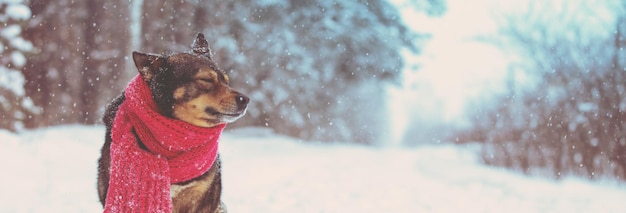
x: 12, y: 80
x: 18, y: 11
x: 11, y: 31
x: 18, y: 59
x: 54, y: 170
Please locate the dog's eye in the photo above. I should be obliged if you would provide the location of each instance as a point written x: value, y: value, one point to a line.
x: 207, y: 80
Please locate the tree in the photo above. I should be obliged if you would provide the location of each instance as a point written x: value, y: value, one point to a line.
x: 572, y: 120
x: 80, y: 52
x: 14, y: 104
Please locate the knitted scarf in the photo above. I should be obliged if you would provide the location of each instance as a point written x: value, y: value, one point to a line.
x: 176, y: 152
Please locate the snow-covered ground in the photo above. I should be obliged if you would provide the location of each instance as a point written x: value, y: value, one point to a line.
x: 54, y: 170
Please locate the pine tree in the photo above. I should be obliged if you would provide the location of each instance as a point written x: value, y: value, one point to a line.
x: 14, y: 104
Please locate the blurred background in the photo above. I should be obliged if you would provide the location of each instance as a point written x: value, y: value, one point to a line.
x: 539, y: 84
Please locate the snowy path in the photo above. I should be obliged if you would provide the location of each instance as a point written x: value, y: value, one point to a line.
x: 53, y: 170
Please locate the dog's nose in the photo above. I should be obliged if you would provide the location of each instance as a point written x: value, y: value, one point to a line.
x: 242, y: 101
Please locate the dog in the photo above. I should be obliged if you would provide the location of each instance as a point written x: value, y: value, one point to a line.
x: 187, y: 87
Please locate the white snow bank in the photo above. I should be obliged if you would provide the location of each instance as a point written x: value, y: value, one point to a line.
x: 54, y: 170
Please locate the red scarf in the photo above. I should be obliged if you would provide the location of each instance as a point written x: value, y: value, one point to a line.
x: 177, y: 151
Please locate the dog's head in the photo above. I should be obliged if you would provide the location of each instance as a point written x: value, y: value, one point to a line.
x: 190, y: 86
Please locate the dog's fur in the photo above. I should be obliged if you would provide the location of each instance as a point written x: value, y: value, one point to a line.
x: 189, y: 87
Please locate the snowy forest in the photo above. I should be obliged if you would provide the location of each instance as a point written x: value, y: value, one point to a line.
x: 63, y: 61
x: 310, y: 67
x: 316, y: 70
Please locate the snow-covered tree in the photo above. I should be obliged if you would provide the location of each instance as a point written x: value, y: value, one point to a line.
x: 314, y: 69
x: 571, y: 121
x: 14, y: 104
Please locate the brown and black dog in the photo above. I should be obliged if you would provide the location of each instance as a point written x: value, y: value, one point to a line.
x: 189, y: 87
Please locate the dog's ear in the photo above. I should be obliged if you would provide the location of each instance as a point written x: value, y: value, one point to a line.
x: 201, y: 47
x: 147, y: 64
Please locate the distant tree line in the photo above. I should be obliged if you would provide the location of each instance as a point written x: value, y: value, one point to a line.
x: 313, y: 69
x: 571, y: 122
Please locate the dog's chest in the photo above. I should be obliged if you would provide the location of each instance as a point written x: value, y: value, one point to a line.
x: 175, y: 189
